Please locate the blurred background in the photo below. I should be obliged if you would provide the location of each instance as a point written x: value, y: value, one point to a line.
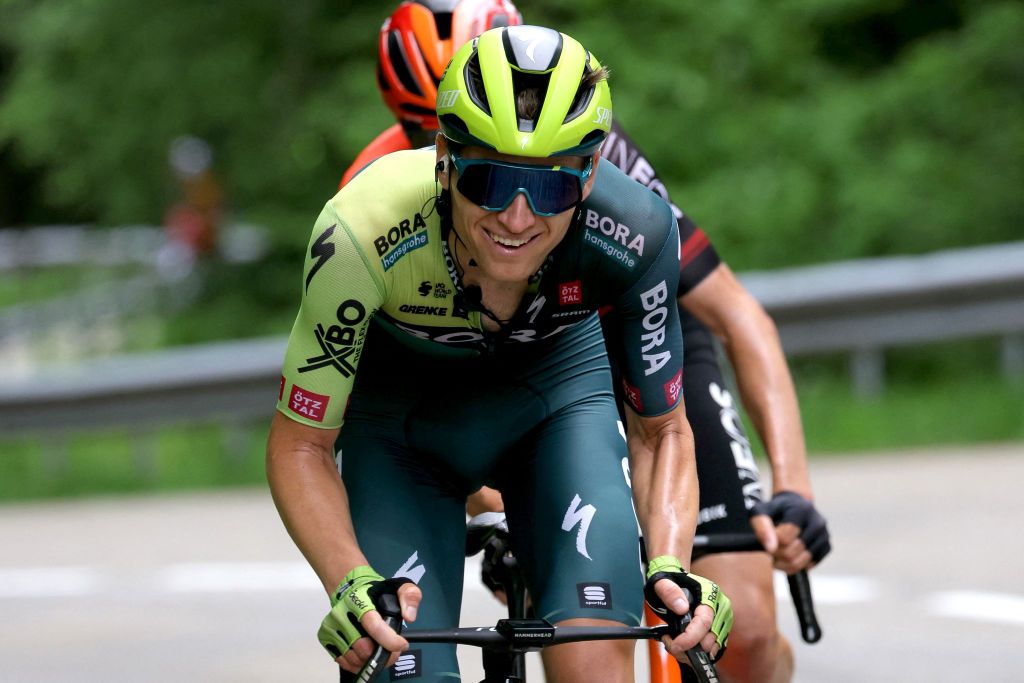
x: 859, y: 162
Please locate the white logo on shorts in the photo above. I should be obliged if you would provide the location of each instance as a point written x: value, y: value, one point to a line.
x: 582, y: 516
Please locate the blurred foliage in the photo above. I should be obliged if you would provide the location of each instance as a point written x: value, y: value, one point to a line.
x: 803, y: 131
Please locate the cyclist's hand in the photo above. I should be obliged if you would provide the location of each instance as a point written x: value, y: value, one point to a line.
x: 792, y: 530
x: 347, y: 630
x: 489, y: 531
x: 712, y: 619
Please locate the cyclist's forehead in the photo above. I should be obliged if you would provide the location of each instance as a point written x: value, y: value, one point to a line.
x: 482, y: 153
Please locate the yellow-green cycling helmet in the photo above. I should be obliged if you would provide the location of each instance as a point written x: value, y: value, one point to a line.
x: 477, y: 97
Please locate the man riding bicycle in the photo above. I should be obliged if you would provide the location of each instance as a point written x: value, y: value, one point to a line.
x: 414, y: 42
x: 449, y: 320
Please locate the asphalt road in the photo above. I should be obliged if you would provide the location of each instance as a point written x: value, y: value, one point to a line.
x: 925, y: 582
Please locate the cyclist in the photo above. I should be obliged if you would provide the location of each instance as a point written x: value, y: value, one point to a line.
x: 449, y: 321
x: 709, y: 296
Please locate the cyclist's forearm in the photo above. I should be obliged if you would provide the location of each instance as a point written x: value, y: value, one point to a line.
x: 766, y: 389
x: 313, y: 505
x: 664, y: 479
x: 751, y: 341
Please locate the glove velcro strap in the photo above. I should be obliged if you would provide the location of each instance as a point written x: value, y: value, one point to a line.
x: 666, y: 564
x: 364, y: 572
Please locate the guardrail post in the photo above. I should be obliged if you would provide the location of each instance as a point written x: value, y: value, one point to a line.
x: 1012, y: 357
x: 867, y: 371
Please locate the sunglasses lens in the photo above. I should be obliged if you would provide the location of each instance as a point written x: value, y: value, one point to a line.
x: 494, y: 186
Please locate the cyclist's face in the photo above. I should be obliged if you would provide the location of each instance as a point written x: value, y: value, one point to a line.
x: 508, y: 245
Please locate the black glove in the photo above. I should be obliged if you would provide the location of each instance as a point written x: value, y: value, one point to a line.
x: 787, y: 507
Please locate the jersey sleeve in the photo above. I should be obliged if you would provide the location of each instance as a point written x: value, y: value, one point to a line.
x: 697, y: 256
x: 652, y: 341
x: 340, y: 294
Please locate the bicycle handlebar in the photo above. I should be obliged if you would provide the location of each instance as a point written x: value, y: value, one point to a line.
x: 525, y: 635
x: 799, y: 583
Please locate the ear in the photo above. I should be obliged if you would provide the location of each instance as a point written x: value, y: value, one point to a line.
x: 589, y: 185
x: 441, y: 167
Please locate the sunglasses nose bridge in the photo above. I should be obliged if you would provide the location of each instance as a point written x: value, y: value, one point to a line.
x: 519, y: 214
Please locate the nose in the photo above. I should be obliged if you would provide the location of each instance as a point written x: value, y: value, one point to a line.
x: 517, y: 216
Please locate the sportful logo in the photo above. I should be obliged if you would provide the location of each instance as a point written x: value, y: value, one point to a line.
x: 582, y: 516
x: 338, y: 342
x: 308, y: 404
x: 593, y: 595
x: 654, y: 323
x: 407, y: 666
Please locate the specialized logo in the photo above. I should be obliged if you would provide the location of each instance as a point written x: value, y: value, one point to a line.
x: 570, y: 293
x: 595, y: 595
x: 674, y: 388
x: 654, y: 323
x: 633, y: 396
x: 409, y: 665
x: 603, y: 117
x: 308, y: 404
x: 582, y: 516
x: 400, y: 240
x: 411, y: 570
x: 322, y: 251
x: 742, y: 455
x: 440, y: 311
x: 338, y: 342
x: 425, y: 288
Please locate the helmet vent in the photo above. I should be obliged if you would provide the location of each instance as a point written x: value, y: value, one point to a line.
x: 530, y: 90
x: 444, y: 25
x: 582, y: 98
x: 400, y: 63
x: 475, y: 83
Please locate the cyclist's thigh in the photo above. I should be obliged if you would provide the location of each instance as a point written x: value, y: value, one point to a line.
x: 571, y: 516
x: 409, y: 523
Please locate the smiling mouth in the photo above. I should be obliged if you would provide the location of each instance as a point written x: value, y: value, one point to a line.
x: 507, y: 241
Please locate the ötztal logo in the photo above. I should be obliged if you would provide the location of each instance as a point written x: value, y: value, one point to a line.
x: 633, y: 396
x: 570, y: 293
x: 674, y: 388
x: 308, y: 404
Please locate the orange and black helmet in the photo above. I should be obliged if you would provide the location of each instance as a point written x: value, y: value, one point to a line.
x: 417, y: 41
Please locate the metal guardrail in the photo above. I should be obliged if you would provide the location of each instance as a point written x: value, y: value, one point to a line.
x: 860, y: 307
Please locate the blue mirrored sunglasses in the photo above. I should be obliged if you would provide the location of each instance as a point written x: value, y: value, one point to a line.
x: 493, y: 185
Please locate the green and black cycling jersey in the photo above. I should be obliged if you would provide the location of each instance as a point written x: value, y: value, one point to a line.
x: 377, y: 253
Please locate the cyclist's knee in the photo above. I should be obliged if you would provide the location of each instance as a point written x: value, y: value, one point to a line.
x: 758, y: 652
x: 599, y: 660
